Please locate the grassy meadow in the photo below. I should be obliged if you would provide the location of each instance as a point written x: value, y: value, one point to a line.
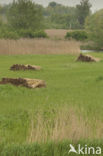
x: 44, y: 121
x: 68, y: 110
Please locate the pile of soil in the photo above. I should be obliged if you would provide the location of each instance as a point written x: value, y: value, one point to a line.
x: 24, y: 67
x: 30, y: 83
x: 87, y: 58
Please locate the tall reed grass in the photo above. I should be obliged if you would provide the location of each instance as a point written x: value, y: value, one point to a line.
x: 39, y: 46
x: 62, y: 124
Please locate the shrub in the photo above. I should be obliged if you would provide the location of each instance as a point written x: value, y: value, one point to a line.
x: 40, y: 34
x: 7, y: 34
x: 77, y: 35
x: 26, y: 33
x: 31, y: 34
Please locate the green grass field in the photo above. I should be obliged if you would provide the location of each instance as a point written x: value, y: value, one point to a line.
x: 69, y: 109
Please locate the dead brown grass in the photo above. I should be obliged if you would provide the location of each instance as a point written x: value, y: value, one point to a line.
x: 39, y: 46
x: 67, y: 124
x: 57, y: 33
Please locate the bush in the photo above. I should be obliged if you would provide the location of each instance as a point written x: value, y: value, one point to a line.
x: 5, y: 34
x: 26, y: 33
x: 77, y: 35
x: 8, y: 33
x: 31, y: 34
x: 40, y: 34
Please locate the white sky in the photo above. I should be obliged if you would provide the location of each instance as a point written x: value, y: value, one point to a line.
x: 96, y: 4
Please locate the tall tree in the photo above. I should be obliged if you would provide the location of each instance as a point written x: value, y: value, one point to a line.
x: 25, y: 14
x: 94, y: 25
x: 52, y: 4
x: 83, y: 10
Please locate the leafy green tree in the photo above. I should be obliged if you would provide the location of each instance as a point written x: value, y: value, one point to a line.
x: 60, y: 16
x: 83, y: 10
x: 52, y: 4
x: 25, y: 14
x: 94, y: 26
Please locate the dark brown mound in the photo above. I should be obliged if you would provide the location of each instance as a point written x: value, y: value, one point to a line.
x: 87, y: 58
x: 24, y: 67
x: 30, y: 83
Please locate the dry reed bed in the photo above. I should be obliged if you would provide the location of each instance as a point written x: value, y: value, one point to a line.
x: 39, y: 46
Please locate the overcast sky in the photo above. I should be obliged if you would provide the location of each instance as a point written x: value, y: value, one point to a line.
x: 96, y: 4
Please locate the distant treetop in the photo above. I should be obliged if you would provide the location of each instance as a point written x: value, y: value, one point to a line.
x: 52, y: 4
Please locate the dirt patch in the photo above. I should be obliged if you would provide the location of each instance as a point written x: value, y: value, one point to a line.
x: 30, y: 83
x: 87, y: 58
x: 24, y: 67
x: 56, y: 33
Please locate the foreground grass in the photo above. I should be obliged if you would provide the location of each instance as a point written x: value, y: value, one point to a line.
x: 46, y: 149
x: 69, y: 108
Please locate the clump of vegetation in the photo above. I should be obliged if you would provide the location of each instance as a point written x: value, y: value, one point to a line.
x: 40, y: 34
x: 6, y: 33
x: 23, y: 33
x: 77, y: 35
x: 28, y: 33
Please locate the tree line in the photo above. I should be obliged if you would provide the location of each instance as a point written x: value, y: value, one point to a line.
x: 26, y: 14
x: 59, y: 16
